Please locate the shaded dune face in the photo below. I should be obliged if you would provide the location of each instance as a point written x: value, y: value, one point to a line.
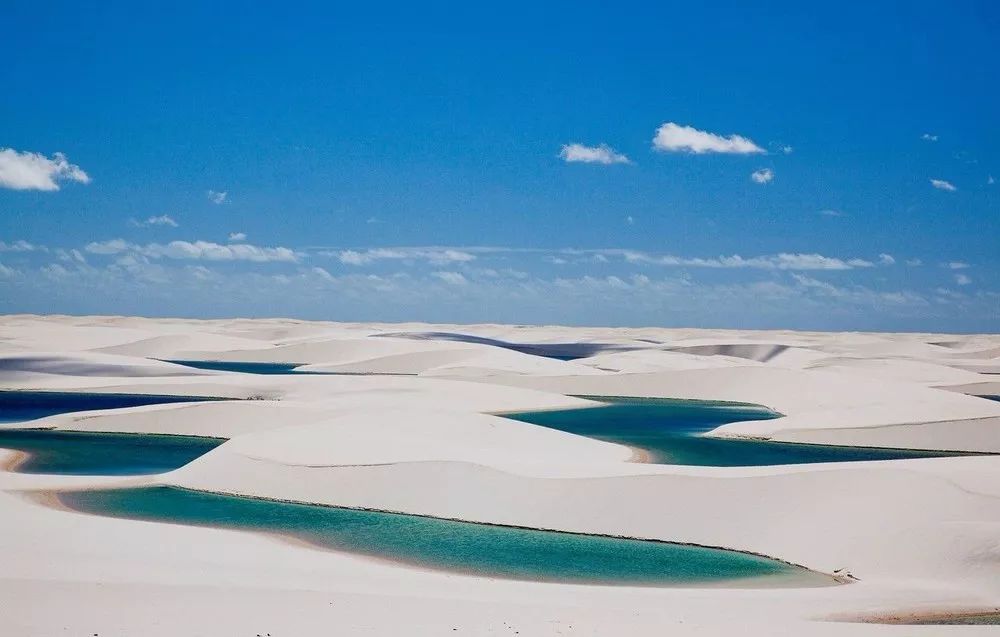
x: 463, y: 547
x: 670, y: 432
x: 561, y: 351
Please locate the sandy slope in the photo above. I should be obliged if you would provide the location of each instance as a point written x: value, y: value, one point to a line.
x: 919, y: 534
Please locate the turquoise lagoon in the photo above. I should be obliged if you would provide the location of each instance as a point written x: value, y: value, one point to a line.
x: 670, y: 432
x: 448, y: 545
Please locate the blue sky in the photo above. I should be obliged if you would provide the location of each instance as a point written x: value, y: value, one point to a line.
x: 774, y: 165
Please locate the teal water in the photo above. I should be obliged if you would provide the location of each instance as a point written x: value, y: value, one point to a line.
x: 85, y: 453
x: 21, y: 406
x: 670, y: 432
x: 492, y: 551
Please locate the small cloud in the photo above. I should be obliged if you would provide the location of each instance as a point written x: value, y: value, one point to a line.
x: 630, y: 220
x: 237, y: 236
x: 962, y: 279
x: 35, y: 171
x: 217, y: 197
x: 671, y: 137
x: 788, y: 150
x: 111, y: 246
x: 989, y: 180
x: 437, y: 256
x: 162, y: 220
x: 914, y: 262
x: 829, y: 212
x: 451, y: 278
x: 323, y: 274
x: 70, y: 256
x: 373, y: 220
x: 927, y: 137
x: 886, y: 259
x: 941, y: 184
x: 956, y: 265
x: 20, y: 246
x: 762, y: 176
x: 600, y: 154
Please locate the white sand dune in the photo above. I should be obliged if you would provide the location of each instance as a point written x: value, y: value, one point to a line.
x: 921, y: 535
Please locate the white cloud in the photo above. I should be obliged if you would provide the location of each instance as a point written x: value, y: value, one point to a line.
x: 990, y: 181
x: 858, y: 294
x: 197, y: 250
x: 71, y: 256
x: 788, y: 150
x: 941, y: 184
x: 956, y: 265
x: 886, y: 259
x: 782, y: 261
x: 763, y: 176
x: 962, y: 279
x: 217, y: 197
x: 927, y: 137
x: 600, y: 154
x: 437, y: 256
x: 35, y: 171
x: 111, y: 246
x: 451, y: 278
x: 7, y: 272
x: 831, y: 213
x: 671, y: 137
x: 20, y: 246
x: 161, y: 220
x: 323, y: 274
x: 914, y: 262
x: 629, y: 220
x: 237, y: 236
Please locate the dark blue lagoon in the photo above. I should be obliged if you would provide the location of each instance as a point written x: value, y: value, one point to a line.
x: 670, y: 432
x: 86, y: 453
x: 242, y: 367
x: 480, y: 549
x: 269, y: 368
x: 20, y: 406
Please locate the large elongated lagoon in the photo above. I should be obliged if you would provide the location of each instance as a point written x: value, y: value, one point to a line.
x: 448, y: 545
x: 671, y: 432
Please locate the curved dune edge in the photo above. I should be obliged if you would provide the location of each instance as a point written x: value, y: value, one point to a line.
x: 918, y: 533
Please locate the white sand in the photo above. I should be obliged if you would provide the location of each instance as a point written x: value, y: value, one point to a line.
x: 921, y: 535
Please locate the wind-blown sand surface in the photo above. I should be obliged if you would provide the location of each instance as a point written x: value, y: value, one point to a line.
x: 415, y: 426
